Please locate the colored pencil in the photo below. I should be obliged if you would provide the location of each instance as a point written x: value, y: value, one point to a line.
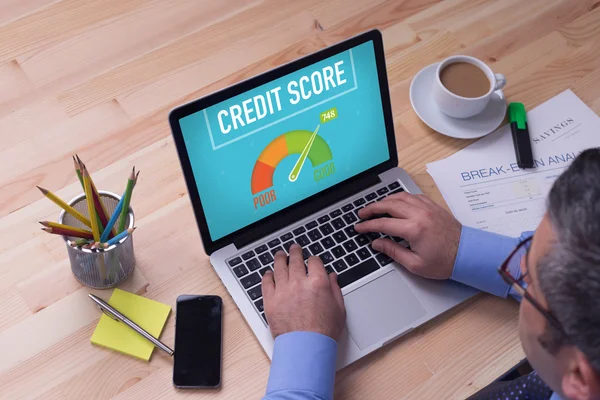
x: 116, y: 213
x: 90, y: 203
x: 65, y: 207
x: 98, y: 205
x: 112, y: 220
x: 127, y: 195
x: 79, y: 242
x: 120, y: 236
x: 68, y: 232
x: 50, y: 224
x: 78, y: 163
x: 78, y: 171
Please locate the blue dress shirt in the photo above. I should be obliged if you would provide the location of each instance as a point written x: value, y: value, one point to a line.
x: 303, y: 366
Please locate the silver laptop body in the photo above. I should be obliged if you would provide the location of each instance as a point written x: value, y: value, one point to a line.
x: 383, y: 300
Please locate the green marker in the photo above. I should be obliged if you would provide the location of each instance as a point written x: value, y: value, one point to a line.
x: 520, y: 133
x: 300, y: 163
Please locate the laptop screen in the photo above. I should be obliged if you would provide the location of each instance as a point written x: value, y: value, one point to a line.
x: 275, y: 145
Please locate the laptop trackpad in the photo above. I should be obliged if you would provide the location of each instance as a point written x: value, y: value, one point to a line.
x: 380, y: 309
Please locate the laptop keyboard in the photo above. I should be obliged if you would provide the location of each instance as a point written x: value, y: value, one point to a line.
x: 330, y: 236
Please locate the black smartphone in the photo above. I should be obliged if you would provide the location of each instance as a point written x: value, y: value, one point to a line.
x: 198, y: 342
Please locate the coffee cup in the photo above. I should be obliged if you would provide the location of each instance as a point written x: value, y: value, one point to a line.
x: 462, y: 91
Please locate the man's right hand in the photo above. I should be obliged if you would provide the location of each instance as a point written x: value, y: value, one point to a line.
x: 432, y: 232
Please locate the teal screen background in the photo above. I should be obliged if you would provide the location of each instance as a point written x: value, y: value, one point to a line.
x: 357, y: 139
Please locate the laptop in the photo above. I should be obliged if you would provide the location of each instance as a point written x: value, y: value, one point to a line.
x: 291, y: 156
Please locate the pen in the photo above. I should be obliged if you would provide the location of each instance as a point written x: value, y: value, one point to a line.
x: 117, y: 316
x: 520, y: 133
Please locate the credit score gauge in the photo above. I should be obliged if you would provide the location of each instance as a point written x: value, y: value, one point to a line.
x: 305, y: 145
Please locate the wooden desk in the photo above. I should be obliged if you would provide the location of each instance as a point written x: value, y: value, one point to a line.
x: 98, y: 77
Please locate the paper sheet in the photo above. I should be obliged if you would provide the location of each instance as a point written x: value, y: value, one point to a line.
x: 148, y: 314
x: 485, y: 188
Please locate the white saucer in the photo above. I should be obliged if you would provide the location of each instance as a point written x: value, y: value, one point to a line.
x: 421, y: 98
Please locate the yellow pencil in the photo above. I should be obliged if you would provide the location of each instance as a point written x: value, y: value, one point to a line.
x: 79, y: 166
x: 51, y: 224
x: 65, y: 206
x: 90, y: 203
x: 101, y: 212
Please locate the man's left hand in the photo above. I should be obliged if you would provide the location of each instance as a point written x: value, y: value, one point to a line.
x: 295, y: 301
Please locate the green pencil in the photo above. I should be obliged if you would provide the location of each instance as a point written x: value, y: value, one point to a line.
x: 125, y: 209
x: 78, y: 171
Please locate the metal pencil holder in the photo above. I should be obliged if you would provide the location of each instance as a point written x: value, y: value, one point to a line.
x: 100, y: 269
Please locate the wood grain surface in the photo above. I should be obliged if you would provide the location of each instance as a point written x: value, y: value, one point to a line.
x: 98, y: 77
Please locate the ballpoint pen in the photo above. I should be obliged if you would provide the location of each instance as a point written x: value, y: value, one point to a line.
x: 117, y: 316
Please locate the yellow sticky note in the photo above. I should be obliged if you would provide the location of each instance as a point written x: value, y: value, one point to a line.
x: 149, y: 314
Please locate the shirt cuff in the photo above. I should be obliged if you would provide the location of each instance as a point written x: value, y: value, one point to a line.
x: 303, y: 361
x: 480, y: 253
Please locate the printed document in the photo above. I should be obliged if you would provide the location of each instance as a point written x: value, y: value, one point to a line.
x: 485, y: 188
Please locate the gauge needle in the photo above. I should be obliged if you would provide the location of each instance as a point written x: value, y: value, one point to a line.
x: 300, y: 163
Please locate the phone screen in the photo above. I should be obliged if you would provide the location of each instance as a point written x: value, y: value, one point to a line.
x: 197, y: 342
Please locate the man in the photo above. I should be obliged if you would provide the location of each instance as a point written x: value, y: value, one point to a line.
x: 557, y: 271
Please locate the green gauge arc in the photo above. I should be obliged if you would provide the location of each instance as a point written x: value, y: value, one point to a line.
x: 289, y: 143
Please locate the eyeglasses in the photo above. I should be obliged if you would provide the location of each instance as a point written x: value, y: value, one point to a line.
x: 520, y: 286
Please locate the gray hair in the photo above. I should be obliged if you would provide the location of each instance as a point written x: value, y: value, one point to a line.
x: 570, y: 273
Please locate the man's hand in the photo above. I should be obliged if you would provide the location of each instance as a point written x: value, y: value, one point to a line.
x: 432, y: 232
x: 295, y: 301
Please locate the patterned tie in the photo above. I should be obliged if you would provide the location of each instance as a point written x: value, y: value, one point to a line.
x: 528, y: 387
